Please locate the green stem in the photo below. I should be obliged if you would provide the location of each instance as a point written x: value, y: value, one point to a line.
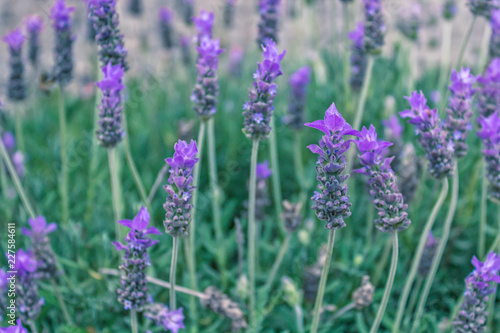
x: 16, y: 180
x: 251, y: 232
x: 382, y: 262
x: 216, y: 212
x: 413, y: 300
x: 388, y: 286
x: 322, y: 282
x: 277, y: 262
x: 19, y: 129
x: 133, y: 321
x: 418, y: 255
x: 439, y: 253
x: 481, y: 247
x: 275, y: 168
x: 61, y: 303
x: 32, y: 325
x: 297, y: 156
x: 64, y: 157
x: 115, y: 179
x: 173, y: 267
x: 299, y: 317
x: 343, y: 311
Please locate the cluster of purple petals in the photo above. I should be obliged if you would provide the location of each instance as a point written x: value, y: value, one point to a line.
x: 236, y: 56
x: 432, y: 136
x: 185, y: 50
x: 34, y: 26
x: 268, y: 24
x: 393, y: 127
x: 409, y: 25
x: 91, y: 32
x: 331, y: 201
x: 166, y: 17
x: 16, y: 156
x: 358, y: 58
x: 108, y: 36
x: 450, y: 9
x: 133, y: 290
x: 388, y: 200
x: 297, y: 101
x: 204, y: 24
x: 64, y: 38
x: 483, y: 7
x: 374, y: 26
x: 206, y: 89
x: 459, y: 111
x: 479, y: 285
x: 179, y: 189
x: 40, y: 243
x: 110, y: 131
x: 495, y: 34
x: 161, y: 316
x: 18, y: 328
x: 259, y: 108
x: 16, y: 88
x: 490, y: 134
x: 488, y: 92
x: 263, y: 171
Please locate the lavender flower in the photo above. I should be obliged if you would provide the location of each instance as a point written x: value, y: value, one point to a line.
x: 110, y: 131
x: 259, y: 108
x: 459, y: 109
x: 331, y: 202
x: 135, y: 7
x: 483, y: 7
x: 236, y: 56
x: 450, y: 9
x: 409, y: 25
x: 161, y: 316
x: 229, y: 13
x: 28, y: 301
x: 263, y: 173
x: 179, y: 190
x: 433, y: 138
x: 495, y: 34
x: 297, y: 100
x: 291, y: 215
x: 18, y: 328
x: 40, y: 242
x: 133, y: 290
x: 187, y: 10
x: 18, y: 162
x: 204, y: 24
x: 108, y: 36
x: 206, y: 90
x: 61, y: 17
x: 16, y: 86
x: 490, y: 134
x: 268, y: 24
x: 488, y: 94
x: 363, y: 295
x: 428, y: 255
x: 91, y: 32
x: 392, y: 215
x: 358, y: 56
x: 374, y: 27
x: 9, y: 141
x: 34, y: 26
x: 185, y: 50
x: 479, y: 285
x: 166, y: 16
x: 221, y: 304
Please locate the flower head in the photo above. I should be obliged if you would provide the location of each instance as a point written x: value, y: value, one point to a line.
x: 169, y: 320
x: 18, y: 328
x: 165, y: 15
x: 483, y: 7
x: 61, y: 15
x: 298, y: 89
x: 358, y: 58
x: 204, y: 24
x: 25, y: 262
x: 393, y: 126
x: 490, y: 134
x: 374, y: 27
x: 34, y: 24
x: 488, y: 95
x: 494, y: 48
x: 39, y: 227
x: 450, y: 9
x: 268, y: 24
x: 15, y: 39
x: 9, y: 141
x: 263, y: 171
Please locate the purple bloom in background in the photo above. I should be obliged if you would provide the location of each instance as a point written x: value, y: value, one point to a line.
x: 331, y: 202
x: 40, y: 242
x: 488, y: 92
x: 133, y: 290
x: 268, y: 24
x: 490, y: 134
x: 409, y: 25
x: 479, y: 285
x: 388, y: 200
x: 110, y: 131
x: 185, y: 50
x: 179, y: 189
x: 393, y: 127
x: 206, y: 89
x: 236, y: 56
x: 91, y: 32
x: 428, y: 255
x: 161, y: 316
x: 18, y: 161
x: 9, y: 141
x: 450, y: 9
x: 374, y: 27
x: 187, y: 11
x: 432, y: 137
x: 34, y: 26
x: 18, y: 328
x: 16, y: 85
x: 166, y: 17
x: 297, y: 100
x: 229, y: 7
x: 495, y: 34
x: 204, y: 24
x: 108, y: 36
x: 263, y: 171
x: 62, y: 24
x: 459, y: 110
x: 259, y: 108
x: 483, y: 7
x: 358, y: 56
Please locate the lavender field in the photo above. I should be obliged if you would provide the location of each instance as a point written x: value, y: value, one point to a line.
x: 249, y: 166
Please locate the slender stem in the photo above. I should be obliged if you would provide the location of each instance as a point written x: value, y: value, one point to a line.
x: 413, y: 300
x: 299, y: 166
x: 16, y: 180
x: 275, y: 168
x: 277, y: 262
x: 61, y: 302
x: 299, y: 317
x: 251, y: 231
x: 343, y: 310
x: 113, y: 171
x: 64, y: 157
x: 418, y: 255
x: 157, y: 183
x: 32, y: 325
x: 133, y: 321
x: 216, y: 212
x: 439, y: 253
x: 382, y: 262
x: 322, y: 282
x: 388, y: 286
x: 19, y: 128
x: 481, y: 246
x: 173, y: 267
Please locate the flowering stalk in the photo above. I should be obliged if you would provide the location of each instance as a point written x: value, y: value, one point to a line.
x: 358, y: 57
x: 18, y: 328
x: 229, y: 7
x: 172, y: 320
x: 268, y: 24
x: 34, y: 26
x: 494, y: 48
x: 166, y: 17
x: 135, y: 7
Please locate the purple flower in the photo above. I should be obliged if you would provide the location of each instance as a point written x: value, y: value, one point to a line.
x: 170, y: 320
x: 488, y: 94
x: 110, y: 131
x: 133, y: 290
x: 428, y: 255
x: 357, y: 35
x: 61, y: 17
x: 495, y: 34
x: 268, y: 24
x: 16, y: 90
x: 490, y: 134
x: 358, y: 58
x: 388, y: 200
x: 298, y: 90
x: 450, y: 9
x: 483, y: 7
x: 479, y: 285
x: 166, y: 17
x: 459, y: 110
x: 179, y: 188
x: 15, y: 39
x: 433, y: 138
x: 34, y: 24
x: 9, y: 141
x: 331, y: 202
x: 39, y: 227
x: 374, y: 26
x: 409, y: 24
x: 263, y: 171
x: 18, y: 328
x: 236, y: 56
x: 204, y: 24
x: 261, y: 97
x: 393, y: 126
